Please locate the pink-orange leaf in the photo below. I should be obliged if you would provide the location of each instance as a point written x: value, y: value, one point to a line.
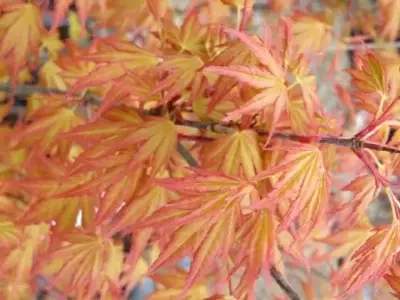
x: 22, y: 21
x: 303, y: 185
x: 371, y: 261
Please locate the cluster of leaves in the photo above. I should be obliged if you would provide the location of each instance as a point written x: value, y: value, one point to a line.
x: 199, y: 140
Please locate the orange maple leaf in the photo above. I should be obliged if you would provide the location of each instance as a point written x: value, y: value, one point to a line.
x: 344, y: 242
x: 84, y: 264
x: 173, y: 282
x: 371, y: 261
x: 301, y: 189
x: 190, y: 38
x: 139, y: 207
x: 18, y: 264
x: 256, y: 250
x: 365, y: 190
x: 311, y: 32
x: 390, y: 18
x: 46, y: 205
x: 20, y: 20
x: 202, y: 221
x: 46, y: 124
x: 182, y: 71
x: 269, y: 78
x: 234, y: 154
x: 153, y: 139
x: 231, y: 54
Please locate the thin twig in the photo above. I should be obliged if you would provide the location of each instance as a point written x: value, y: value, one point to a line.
x: 283, y: 284
x: 350, y: 142
x: 187, y: 156
x: 361, y: 47
x: 25, y: 90
x: 29, y: 89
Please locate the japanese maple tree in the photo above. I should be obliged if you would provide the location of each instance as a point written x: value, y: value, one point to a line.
x: 135, y: 134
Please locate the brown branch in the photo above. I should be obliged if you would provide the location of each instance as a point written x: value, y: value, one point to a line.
x: 28, y: 89
x: 25, y: 90
x: 187, y: 156
x: 351, y: 142
x: 283, y: 284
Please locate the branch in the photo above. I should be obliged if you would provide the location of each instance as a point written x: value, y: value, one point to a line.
x: 351, y: 142
x: 283, y: 284
x: 28, y: 89
x: 361, y: 47
x: 25, y: 90
x: 188, y: 157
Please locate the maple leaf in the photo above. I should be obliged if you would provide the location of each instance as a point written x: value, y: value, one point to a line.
x: 76, y: 30
x: 369, y: 75
x: 234, y: 154
x: 270, y: 79
x: 51, y: 43
x: 219, y: 111
x: 301, y: 188
x: 345, y: 242
x: 84, y: 264
x: 256, y: 238
x: 245, y: 5
x: 11, y: 290
x: 203, y: 221
x: 189, y: 38
x: 371, y: 261
x: 117, y: 53
x: 365, y: 191
x: 390, y: 18
x: 10, y: 235
x: 182, y: 70
x: 114, y: 123
x: 11, y: 160
x: 280, y: 5
x: 221, y: 297
x: 22, y: 20
x: 158, y: 8
x: 127, y: 15
x: 46, y: 205
x: 117, y: 194
x: 84, y: 7
x: 393, y: 279
x: 18, y: 263
x: 133, y: 277
x: 49, y: 75
x: 156, y: 137
x: 23, y: 76
x: 73, y: 66
x: 139, y: 89
x: 113, y: 64
x: 173, y: 282
x: 231, y: 54
x: 47, y: 123
x: 311, y: 32
x: 60, y: 11
x: 141, y: 206
x: 153, y: 140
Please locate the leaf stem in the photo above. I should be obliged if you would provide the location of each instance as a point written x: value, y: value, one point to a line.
x: 283, y: 284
